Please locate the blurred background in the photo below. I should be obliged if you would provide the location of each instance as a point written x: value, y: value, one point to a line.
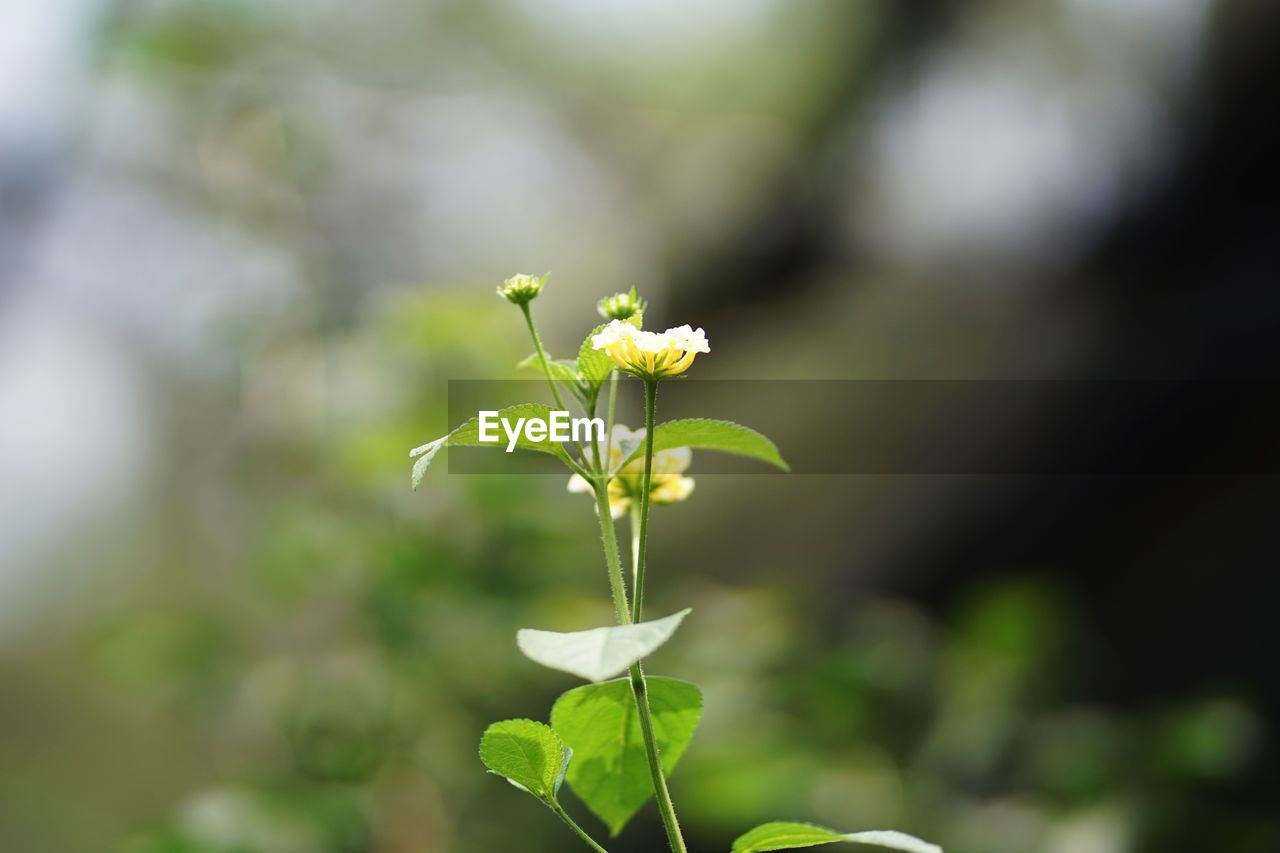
x: 244, y: 244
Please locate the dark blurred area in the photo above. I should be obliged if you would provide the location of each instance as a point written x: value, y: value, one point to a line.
x: 245, y: 246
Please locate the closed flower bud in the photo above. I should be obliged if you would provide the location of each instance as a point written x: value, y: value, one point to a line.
x: 521, y: 289
x: 621, y: 306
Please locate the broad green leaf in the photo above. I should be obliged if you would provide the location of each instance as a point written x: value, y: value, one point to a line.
x: 789, y: 836
x: 708, y: 434
x: 530, y: 755
x: 599, y: 653
x: 564, y: 369
x: 468, y: 435
x: 610, y: 772
x: 594, y: 364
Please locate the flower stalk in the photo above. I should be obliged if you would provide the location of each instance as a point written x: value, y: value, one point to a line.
x: 572, y: 824
x: 650, y: 403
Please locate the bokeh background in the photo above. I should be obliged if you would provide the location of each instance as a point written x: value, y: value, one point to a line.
x: 244, y: 244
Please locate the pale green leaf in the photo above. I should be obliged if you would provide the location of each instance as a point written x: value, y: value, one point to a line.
x: 789, y: 836
x: 530, y: 755
x: 468, y: 435
x: 595, y: 365
x: 708, y: 434
x: 599, y: 653
x: 564, y: 369
x: 610, y: 772
x: 425, y: 454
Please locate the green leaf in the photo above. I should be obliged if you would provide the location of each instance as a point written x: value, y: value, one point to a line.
x: 708, y: 434
x: 564, y: 369
x: 610, y: 772
x: 789, y: 836
x: 468, y: 435
x: 599, y: 653
x: 595, y: 365
x: 530, y: 755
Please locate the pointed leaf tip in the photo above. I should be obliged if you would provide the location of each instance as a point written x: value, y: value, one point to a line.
x: 599, y: 723
x: 785, y: 835
x: 599, y: 653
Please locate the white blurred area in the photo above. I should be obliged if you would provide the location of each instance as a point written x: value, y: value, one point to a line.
x: 1012, y: 145
x: 153, y: 212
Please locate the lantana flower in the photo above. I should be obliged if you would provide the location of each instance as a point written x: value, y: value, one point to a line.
x: 667, y: 483
x: 651, y: 355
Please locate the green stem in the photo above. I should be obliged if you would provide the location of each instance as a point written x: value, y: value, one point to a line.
x: 609, y: 536
x: 640, y: 690
x: 546, y: 367
x: 597, y: 462
x: 613, y: 405
x: 650, y: 401
x: 579, y: 831
x: 542, y: 355
x: 635, y: 539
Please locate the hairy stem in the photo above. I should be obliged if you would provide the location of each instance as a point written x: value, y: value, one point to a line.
x: 640, y: 691
x: 546, y: 369
x: 613, y: 406
x: 635, y: 539
x: 613, y: 561
x: 579, y: 831
x: 542, y: 355
x: 650, y: 401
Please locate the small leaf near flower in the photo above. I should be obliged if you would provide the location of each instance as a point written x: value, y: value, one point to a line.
x: 595, y: 365
x: 564, y: 369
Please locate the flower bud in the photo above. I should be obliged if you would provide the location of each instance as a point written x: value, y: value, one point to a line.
x: 621, y: 306
x: 521, y: 289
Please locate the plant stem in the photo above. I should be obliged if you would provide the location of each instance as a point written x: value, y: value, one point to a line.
x: 650, y: 402
x: 579, y: 831
x: 613, y: 405
x: 546, y: 367
x: 640, y: 691
x: 635, y: 539
x: 542, y: 355
x: 609, y: 537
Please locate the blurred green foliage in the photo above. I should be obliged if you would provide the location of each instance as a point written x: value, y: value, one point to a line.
x: 302, y: 655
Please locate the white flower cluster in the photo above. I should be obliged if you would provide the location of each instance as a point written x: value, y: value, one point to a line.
x: 651, y: 355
